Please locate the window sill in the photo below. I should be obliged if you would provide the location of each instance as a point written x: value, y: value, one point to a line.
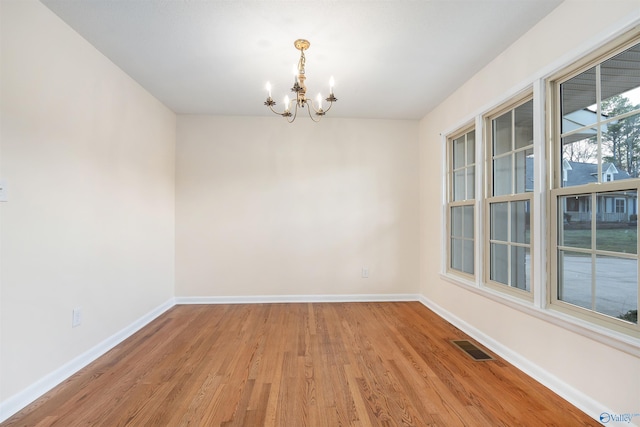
x: 611, y: 338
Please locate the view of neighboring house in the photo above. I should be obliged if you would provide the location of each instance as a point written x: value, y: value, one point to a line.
x: 612, y: 207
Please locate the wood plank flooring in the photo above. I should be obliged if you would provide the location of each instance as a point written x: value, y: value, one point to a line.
x: 320, y: 364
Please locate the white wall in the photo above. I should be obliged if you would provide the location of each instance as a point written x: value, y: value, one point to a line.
x: 264, y: 207
x: 88, y: 157
x: 589, y: 369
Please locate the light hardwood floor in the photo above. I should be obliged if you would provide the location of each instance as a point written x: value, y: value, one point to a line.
x: 320, y: 364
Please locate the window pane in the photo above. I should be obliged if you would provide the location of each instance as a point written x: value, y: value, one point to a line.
x: 502, y: 134
x: 617, y: 286
x: 579, y: 158
x: 458, y: 152
x: 524, y: 171
x: 520, y: 268
x: 578, y: 99
x: 467, y: 257
x: 456, y: 254
x: 617, y: 222
x: 574, y: 228
x: 575, y: 278
x: 524, y: 125
x: 471, y: 147
x: 456, y: 222
x: 502, y: 176
x: 499, y: 263
x: 621, y: 149
x: 462, y: 242
x: 471, y: 182
x: 520, y: 222
x: 621, y: 76
x: 499, y: 221
x: 458, y: 185
x: 468, y: 222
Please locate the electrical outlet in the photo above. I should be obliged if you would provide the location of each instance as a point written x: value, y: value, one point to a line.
x: 365, y: 273
x: 3, y: 191
x: 76, y: 317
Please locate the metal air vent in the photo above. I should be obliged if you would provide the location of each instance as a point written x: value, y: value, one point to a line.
x: 472, y: 350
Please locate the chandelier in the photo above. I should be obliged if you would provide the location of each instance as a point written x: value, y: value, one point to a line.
x: 301, y: 101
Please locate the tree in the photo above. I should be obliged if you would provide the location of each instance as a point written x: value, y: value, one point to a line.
x: 582, y: 151
x: 622, y: 137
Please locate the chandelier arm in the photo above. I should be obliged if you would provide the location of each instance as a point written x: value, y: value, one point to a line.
x: 310, y: 102
x: 295, y: 114
x: 311, y: 117
x: 271, y: 108
x: 319, y: 112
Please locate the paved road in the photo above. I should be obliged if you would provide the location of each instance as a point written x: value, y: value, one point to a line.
x: 616, y: 284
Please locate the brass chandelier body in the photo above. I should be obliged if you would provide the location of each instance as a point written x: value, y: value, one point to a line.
x: 299, y: 87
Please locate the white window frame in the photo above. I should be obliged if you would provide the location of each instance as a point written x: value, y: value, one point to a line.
x: 489, y: 199
x: 466, y: 202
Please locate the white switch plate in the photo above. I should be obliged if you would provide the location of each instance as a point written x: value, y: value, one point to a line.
x: 365, y: 272
x: 76, y: 317
x: 3, y: 191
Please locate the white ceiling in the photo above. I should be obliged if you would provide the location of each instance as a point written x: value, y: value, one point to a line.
x: 390, y: 59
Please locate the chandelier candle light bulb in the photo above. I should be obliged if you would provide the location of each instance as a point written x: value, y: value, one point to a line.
x: 299, y: 87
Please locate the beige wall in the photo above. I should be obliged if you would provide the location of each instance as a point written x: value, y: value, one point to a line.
x: 600, y: 372
x: 264, y: 207
x: 88, y: 157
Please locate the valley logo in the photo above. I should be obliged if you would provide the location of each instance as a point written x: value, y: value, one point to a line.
x: 607, y: 417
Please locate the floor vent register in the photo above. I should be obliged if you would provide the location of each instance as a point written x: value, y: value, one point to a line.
x: 472, y: 350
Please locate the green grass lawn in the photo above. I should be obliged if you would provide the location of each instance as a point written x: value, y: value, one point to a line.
x: 623, y: 240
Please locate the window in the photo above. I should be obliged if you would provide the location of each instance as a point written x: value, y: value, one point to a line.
x: 570, y: 245
x: 461, y: 200
x: 509, y: 199
x: 596, y: 157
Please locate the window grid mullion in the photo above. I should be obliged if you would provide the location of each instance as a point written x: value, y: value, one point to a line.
x: 513, y: 148
x: 594, y: 257
x: 598, y: 119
